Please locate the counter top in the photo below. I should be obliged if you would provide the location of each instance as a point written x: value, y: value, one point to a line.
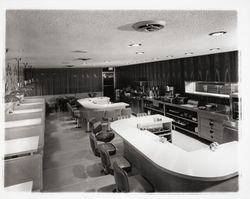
x: 21, y: 123
x: 202, y: 164
x: 21, y: 146
x: 100, y: 103
x: 22, y: 187
x: 33, y: 99
x: 34, y: 110
x: 31, y: 103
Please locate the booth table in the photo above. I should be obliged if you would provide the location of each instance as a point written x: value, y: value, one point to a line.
x: 24, y: 141
x: 23, y: 162
x: 21, y: 146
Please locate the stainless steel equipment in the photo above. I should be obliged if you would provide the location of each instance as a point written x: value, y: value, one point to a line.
x: 169, y: 91
x: 230, y: 131
x: 234, y: 105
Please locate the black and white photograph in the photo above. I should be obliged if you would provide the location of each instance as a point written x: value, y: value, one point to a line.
x: 106, y: 100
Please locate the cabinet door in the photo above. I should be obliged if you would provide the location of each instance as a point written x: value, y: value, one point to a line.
x: 230, y: 134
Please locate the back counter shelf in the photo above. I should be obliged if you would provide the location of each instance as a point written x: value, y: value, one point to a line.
x: 185, y: 118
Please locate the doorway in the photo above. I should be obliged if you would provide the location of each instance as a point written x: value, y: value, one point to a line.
x: 108, y: 84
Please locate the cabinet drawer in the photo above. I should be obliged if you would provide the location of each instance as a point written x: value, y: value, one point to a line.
x: 213, y: 135
x: 211, y: 123
x: 207, y: 133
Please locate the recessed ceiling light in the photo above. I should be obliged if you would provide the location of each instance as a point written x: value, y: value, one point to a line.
x: 139, y: 53
x: 79, y: 51
x: 218, y: 33
x: 135, y: 45
x: 214, y: 49
x: 190, y: 53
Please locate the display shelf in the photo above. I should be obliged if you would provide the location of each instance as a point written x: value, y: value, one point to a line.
x: 176, y: 125
x: 181, y: 115
x: 154, y: 109
x: 182, y: 118
x: 161, y: 132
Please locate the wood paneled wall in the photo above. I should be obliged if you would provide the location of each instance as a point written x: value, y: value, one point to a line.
x: 63, y: 81
x: 213, y: 67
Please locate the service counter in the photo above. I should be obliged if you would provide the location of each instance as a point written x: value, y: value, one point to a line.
x: 172, y: 169
x: 23, y: 162
x: 100, y: 103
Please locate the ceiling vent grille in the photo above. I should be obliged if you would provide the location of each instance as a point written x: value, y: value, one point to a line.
x: 149, y: 26
x: 69, y: 66
x: 82, y: 59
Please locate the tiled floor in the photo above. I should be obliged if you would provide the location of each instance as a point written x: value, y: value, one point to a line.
x: 70, y: 165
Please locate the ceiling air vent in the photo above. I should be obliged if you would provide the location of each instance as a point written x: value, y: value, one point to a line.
x: 82, y: 59
x: 79, y: 51
x: 149, y: 26
x: 69, y: 66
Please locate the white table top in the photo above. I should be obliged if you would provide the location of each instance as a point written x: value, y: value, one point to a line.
x: 95, y: 100
x: 20, y: 123
x: 33, y: 99
x: 21, y: 146
x: 34, y: 110
x: 22, y: 187
x: 31, y: 103
x: 202, y: 164
x: 100, y: 103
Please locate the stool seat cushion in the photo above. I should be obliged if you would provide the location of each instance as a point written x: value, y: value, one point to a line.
x: 110, y: 148
x: 122, y: 163
x: 105, y: 136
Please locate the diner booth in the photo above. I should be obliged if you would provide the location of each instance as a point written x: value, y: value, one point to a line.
x: 169, y: 124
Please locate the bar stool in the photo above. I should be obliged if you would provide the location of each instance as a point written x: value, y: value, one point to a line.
x: 124, y: 117
x: 103, y: 136
x: 126, y: 112
x: 90, y: 117
x: 141, y: 114
x: 95, y: 147
x: 110, y: 116
x: 75, y: 114
x: 107, y: 161
x: 125, y: 183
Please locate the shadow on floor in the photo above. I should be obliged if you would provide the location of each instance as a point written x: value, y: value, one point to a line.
x: 79, y: 171
x: 94, y: 170
x: 109, y: 188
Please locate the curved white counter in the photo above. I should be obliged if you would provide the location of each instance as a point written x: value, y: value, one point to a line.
x: 203, y: 164
x: 100, y: 103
